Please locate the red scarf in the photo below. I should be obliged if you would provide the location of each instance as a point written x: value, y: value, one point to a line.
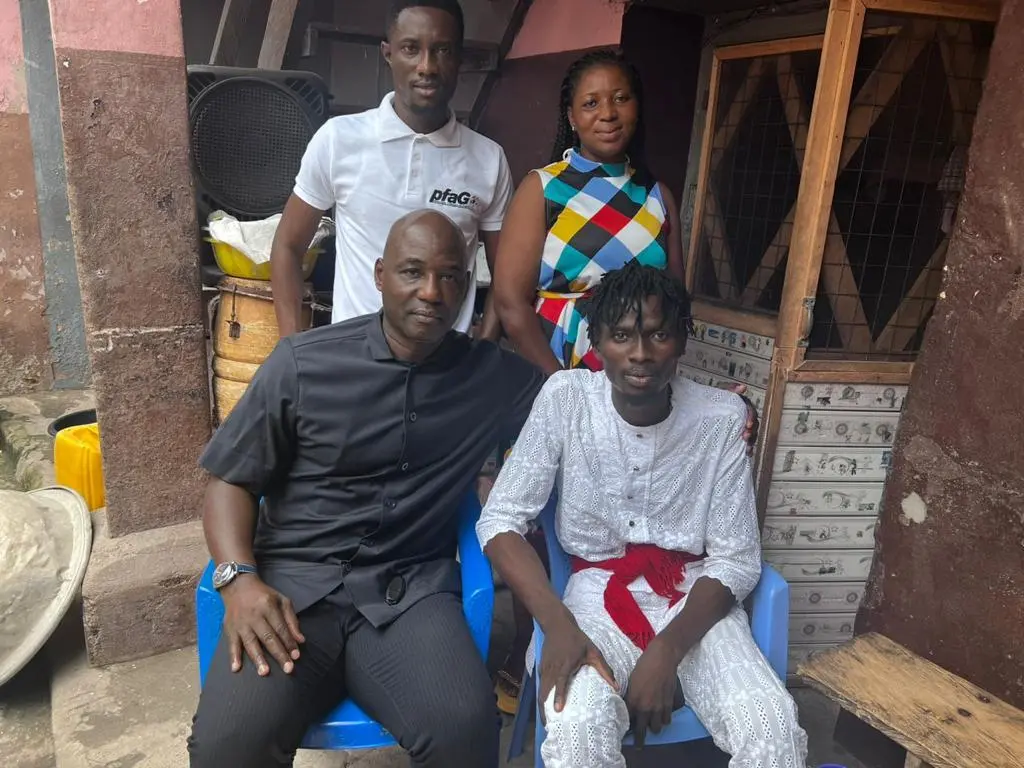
x: 663, y: 570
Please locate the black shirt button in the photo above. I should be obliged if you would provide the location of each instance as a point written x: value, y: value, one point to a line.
x: 346, y: 569
x: 395, y: 591
x: 405, y: 466
x: 390, y: 503
x: 412, y: 416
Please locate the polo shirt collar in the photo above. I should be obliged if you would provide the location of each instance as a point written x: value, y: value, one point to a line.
x: 377, y: 343
x: 391, y: 127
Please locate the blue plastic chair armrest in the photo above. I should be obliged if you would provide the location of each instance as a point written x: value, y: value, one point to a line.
x: 477, y: 578
x: 769, y: 618
x: 209, y: 618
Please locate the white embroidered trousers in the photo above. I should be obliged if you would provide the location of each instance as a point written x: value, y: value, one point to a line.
x: 725, y: 679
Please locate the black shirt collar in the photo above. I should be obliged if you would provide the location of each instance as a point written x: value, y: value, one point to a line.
x: 377, y: 343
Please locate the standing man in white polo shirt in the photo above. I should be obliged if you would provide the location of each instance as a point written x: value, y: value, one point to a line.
x: 374, y: 167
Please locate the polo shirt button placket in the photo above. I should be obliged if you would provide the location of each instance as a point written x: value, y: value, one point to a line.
x: 415, y: 160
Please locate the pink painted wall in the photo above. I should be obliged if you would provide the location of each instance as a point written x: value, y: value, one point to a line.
x: 12, y: 60
x: 121, y: 26
x: 552, y: 26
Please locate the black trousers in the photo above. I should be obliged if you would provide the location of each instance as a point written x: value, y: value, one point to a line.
x: 421, y: 677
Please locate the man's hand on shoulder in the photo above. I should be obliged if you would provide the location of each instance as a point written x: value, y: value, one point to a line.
x: 260, y: 619
x: 753, y: 423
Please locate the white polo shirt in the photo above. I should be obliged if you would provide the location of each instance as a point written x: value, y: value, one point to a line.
x: 373, y: 169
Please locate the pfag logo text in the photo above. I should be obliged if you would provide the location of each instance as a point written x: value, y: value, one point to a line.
x: 452, y: 198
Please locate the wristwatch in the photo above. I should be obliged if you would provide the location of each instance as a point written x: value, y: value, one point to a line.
x: 225, y: 573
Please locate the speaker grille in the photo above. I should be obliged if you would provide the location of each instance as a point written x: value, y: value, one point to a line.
x: 248, y: 137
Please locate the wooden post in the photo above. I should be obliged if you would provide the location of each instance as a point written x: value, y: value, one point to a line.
x: 233, y: 21
x: 279, y: 26
x: 812, y: 213
x: 702, y: 172
x: 818, y: 176
x: 771, y: 420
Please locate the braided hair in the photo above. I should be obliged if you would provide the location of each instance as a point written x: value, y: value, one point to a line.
x: 603, y: 57
x: 624, y: 290
x: 451, y: 7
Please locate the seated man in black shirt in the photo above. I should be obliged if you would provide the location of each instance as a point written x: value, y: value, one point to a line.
x: 362, y: 437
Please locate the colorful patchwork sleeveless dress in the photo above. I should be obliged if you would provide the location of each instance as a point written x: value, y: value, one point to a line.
x: 599, y: 218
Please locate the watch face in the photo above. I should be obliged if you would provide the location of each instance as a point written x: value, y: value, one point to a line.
x: 223, y: 574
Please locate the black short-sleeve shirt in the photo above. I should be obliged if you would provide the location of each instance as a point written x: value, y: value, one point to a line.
x: 362, y: 460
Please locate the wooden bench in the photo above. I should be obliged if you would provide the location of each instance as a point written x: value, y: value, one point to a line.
x: 939, y: 718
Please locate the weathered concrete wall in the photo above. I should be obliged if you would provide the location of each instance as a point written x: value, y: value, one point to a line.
x: 121, y: 76
x: 521, y: 112
x: 24, y: 335
x: 650, y: 36
x: 552, y: 26
x: 948, y: 577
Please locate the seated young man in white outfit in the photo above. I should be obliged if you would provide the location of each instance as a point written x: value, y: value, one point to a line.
x: 656, y: 510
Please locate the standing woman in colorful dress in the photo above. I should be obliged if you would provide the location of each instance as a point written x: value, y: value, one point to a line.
x: 592, y: 210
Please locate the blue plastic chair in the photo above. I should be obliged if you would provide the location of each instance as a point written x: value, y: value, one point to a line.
x: 768, y: 606
x: 348, y: 727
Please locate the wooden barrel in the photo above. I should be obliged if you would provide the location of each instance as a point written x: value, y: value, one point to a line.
x: 244, y: 333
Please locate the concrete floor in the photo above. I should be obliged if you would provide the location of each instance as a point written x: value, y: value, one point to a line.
x: 26, y: 738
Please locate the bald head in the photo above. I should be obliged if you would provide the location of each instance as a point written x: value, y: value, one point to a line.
x: 422, y: 279
x: 425, y: 228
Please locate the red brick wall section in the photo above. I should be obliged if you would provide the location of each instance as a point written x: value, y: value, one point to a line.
x: 948, y: 577
x: 24, y: 332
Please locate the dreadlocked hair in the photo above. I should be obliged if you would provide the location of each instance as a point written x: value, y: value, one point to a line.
x: 624, y: 290
x: 603, y: 57
x: 449, y: 6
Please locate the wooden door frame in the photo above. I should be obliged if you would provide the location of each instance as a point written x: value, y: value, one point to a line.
x: 812, y: 213
x: 825, y: 146
x: 749, y: 321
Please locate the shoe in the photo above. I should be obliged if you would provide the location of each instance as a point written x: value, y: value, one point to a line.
x: 507, y: 691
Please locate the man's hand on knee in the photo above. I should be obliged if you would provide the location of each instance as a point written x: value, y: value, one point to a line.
x: 566, y: 649
x: 258, y: 619
x: 651, y: 697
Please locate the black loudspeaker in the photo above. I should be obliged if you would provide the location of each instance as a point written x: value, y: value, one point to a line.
x: 249, y: 129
